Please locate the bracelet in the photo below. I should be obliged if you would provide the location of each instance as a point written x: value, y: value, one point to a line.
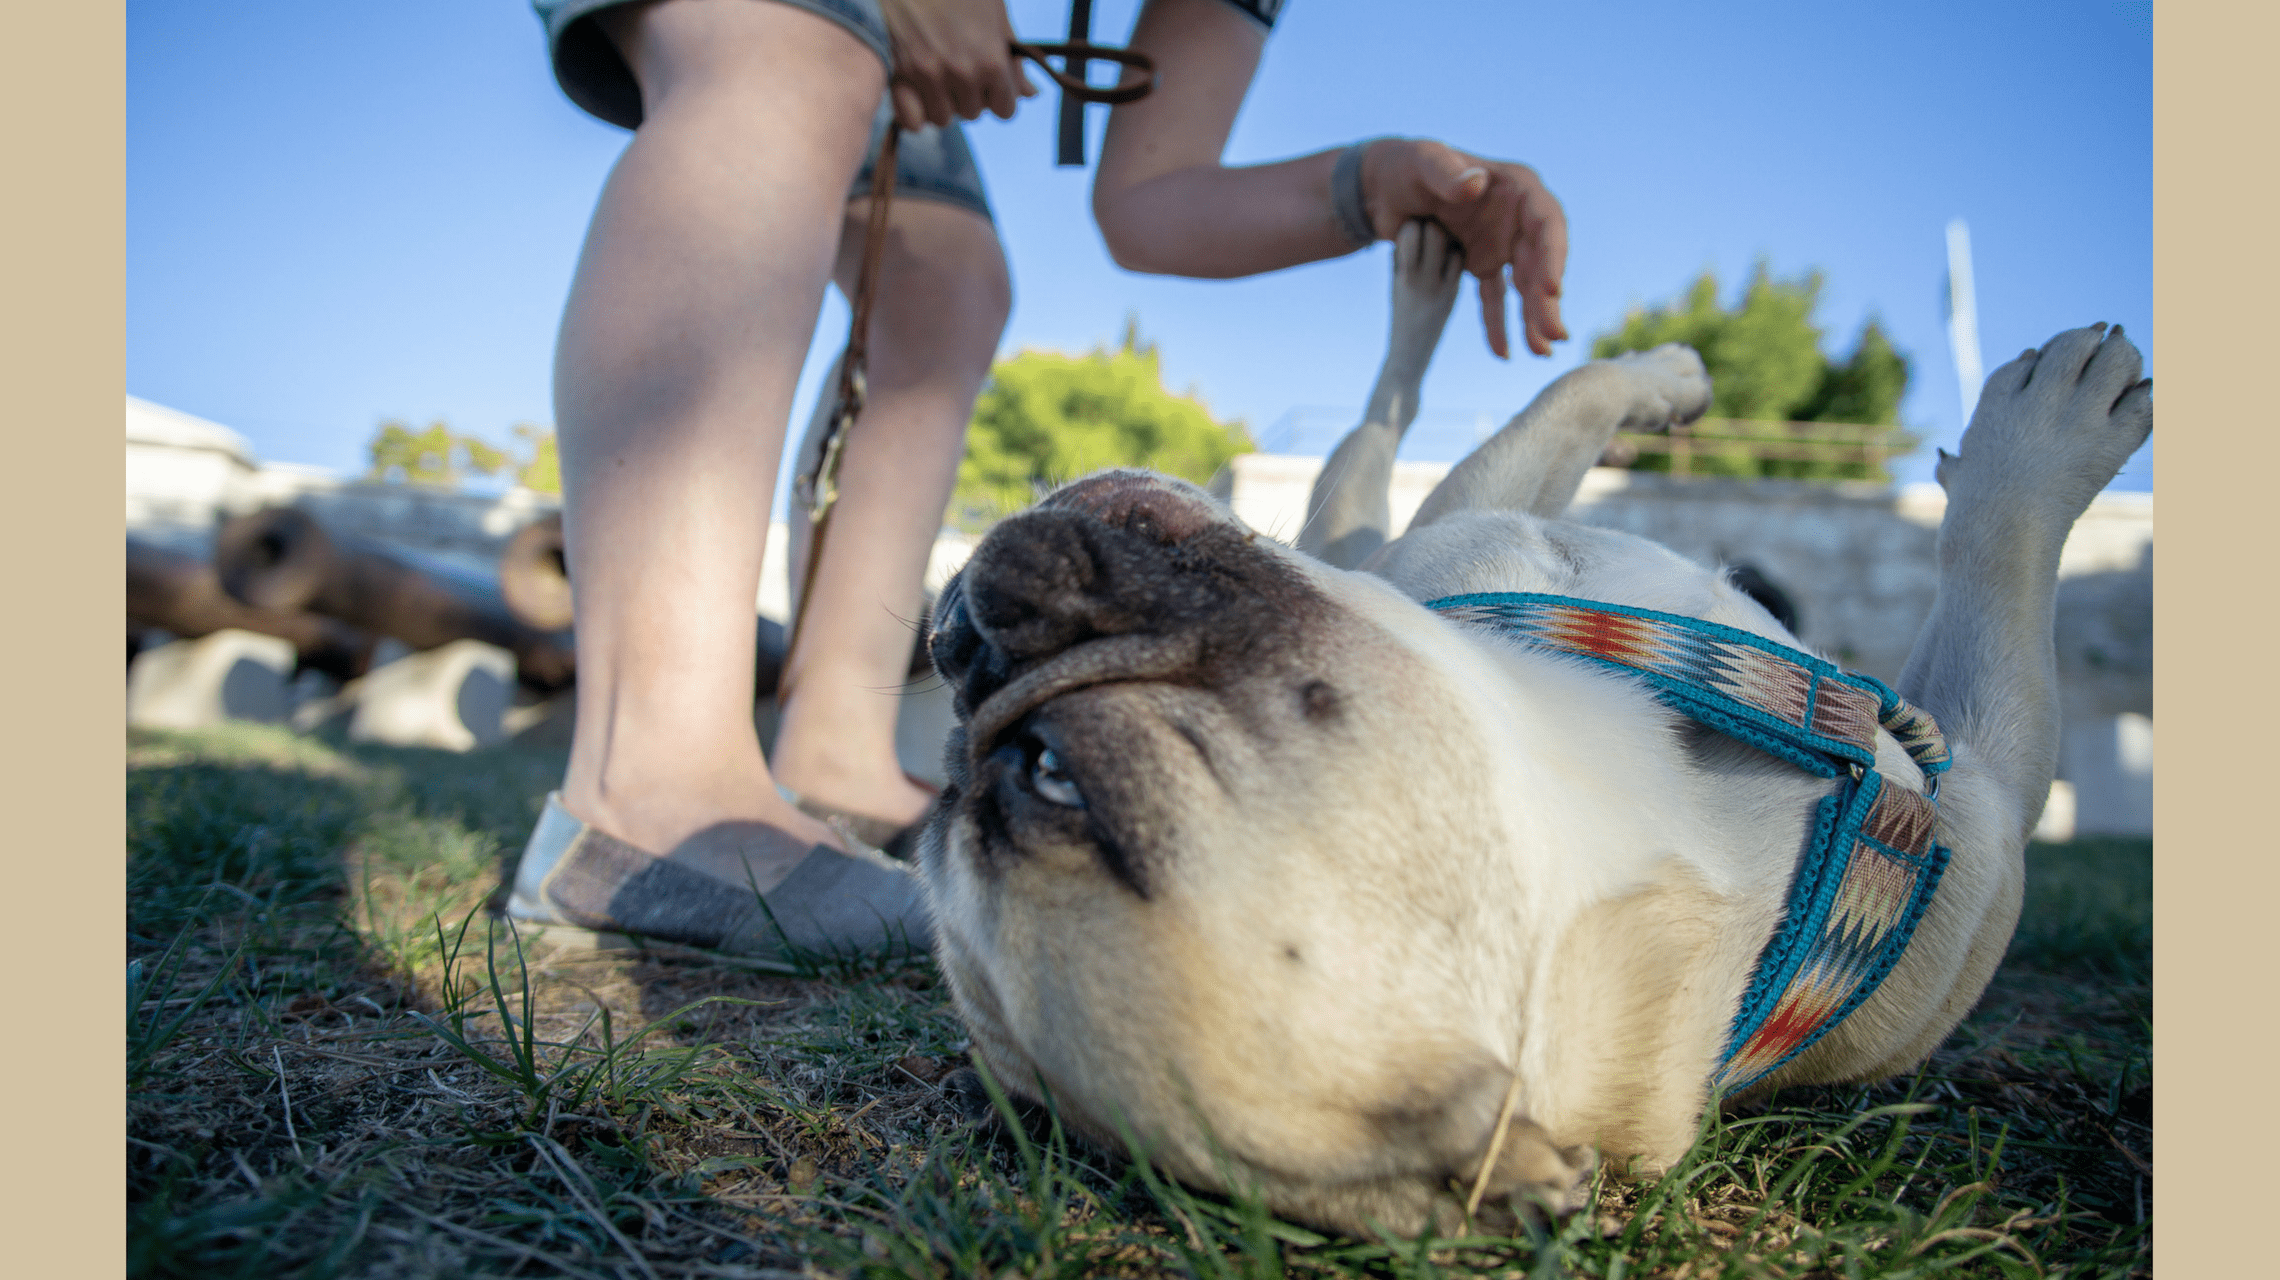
x: 1346, y: 205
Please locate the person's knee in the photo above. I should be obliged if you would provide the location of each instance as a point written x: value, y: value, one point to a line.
x: 947, y: 294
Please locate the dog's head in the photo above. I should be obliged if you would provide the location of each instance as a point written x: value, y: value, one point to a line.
x: 1224, y: 865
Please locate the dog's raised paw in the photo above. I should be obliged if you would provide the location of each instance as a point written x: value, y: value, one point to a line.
x: 1428, y: 265
x: 2058, y: 421
x: 1669, y: 386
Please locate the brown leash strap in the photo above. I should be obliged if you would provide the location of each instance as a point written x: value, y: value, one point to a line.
x: 817, y: 487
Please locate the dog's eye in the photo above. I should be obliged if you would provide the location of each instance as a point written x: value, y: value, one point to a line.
x: 1051, y: 783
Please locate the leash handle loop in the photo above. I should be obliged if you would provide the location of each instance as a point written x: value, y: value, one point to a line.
x: 1078, y: 52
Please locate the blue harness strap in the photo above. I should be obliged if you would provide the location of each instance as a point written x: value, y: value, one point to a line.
x: 1871, y: 865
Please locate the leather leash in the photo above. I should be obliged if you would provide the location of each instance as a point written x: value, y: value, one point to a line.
x: 817, y: 486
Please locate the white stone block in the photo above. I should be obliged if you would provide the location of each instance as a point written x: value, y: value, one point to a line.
x: 228, y: 675
x: 923, y: 721
x: 2057, y: 822
x: 453, y: 698
x: 2109, y: 759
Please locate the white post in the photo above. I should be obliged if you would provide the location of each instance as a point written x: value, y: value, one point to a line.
x: 1963, y: 318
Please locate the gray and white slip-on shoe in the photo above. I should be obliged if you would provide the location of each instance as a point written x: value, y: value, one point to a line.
x: 705, y: 892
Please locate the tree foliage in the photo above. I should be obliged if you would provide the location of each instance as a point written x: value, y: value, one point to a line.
x: 1046, y: 417
x: 1764, y: 355
x: 441, y: 458
x: 1766, y: 365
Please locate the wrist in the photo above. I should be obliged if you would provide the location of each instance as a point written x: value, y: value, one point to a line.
x: 1349, y: 204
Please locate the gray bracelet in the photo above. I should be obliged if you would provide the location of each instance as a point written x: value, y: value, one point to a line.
x: 1346, y: 206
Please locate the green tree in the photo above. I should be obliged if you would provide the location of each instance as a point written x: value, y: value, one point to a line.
x: 542, y: 470
x: 1047, y: 417
x: 441, y: 458
x: 1766, y: 365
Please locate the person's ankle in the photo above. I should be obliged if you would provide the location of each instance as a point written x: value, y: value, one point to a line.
x: 875, y: 792
x: 658, y: 818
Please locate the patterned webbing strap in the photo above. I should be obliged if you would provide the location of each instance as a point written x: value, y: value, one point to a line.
x: 1871, y: 866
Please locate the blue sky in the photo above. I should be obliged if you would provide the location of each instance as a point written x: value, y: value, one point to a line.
x: 338, y: 214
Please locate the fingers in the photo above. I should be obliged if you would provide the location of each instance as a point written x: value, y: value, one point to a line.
x: 1539, y: 265
x: 1540, y: 320
x: 1492, y: 313
x: 1000, y: 95
x: 1504, y: 217
x: 910, y: 109
x: 928, y: 95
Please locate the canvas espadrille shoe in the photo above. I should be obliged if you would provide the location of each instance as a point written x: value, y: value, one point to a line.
x: 704, y: 893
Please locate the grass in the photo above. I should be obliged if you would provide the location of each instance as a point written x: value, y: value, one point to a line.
x: 339, y: 1067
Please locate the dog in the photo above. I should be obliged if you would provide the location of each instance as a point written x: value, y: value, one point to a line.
x: 1255, y: 865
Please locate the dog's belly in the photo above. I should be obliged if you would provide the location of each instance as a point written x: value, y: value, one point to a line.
x: 1512, y: 551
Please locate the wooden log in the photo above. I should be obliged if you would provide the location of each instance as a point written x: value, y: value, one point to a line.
x: 281, y: 557
x: 181, y: 594
x: 534, y: 577
x: 534, y: 580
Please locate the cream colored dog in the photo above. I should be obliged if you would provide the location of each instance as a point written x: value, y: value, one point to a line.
x: 1250, y: 859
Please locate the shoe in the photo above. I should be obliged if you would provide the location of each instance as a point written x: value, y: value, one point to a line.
x: 887, y: 836
x: 702, y: 894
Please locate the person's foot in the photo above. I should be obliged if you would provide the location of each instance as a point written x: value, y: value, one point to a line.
x: 890, y: 836
x: 850, y: 781
x: 737, y: 886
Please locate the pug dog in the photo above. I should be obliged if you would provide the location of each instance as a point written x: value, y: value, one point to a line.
x: 1252, y: 864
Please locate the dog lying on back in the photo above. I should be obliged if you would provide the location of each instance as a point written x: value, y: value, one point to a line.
x: 1254, y: 861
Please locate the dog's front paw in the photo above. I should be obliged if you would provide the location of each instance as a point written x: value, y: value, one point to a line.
x: 1669, y: 386
x: 1533, y: 1180
x: 2057, y: 423
x: 1428, y: 264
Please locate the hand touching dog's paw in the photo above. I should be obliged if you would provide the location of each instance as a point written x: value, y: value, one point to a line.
x: 1669, y: 386
x: 1427, y: 267
x: 2057, y: 423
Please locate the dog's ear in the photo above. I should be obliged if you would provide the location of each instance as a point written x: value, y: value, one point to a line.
x: 1635, y: 1030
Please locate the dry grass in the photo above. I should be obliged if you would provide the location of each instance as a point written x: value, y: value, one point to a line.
x: 339, y: 1068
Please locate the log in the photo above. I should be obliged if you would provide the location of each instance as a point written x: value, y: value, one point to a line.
x: 182, y: 595
x: 534, y: 578
x: 282, y: 558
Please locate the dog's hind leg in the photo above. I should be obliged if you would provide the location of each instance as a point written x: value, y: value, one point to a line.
x: 2051, y: 429
x: 1346, y: 513
x: 1535, y: 463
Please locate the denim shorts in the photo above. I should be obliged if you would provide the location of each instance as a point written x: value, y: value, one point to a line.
x: 931, y: 163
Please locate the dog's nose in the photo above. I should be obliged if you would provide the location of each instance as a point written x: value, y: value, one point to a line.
x: 1117, y: 554
x: 1139, y: 502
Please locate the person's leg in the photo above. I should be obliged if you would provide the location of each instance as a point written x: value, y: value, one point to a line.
x: 942, y: 299
x: 684, y: 333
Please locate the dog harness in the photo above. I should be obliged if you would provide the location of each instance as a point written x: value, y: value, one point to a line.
x: 1870, y: 866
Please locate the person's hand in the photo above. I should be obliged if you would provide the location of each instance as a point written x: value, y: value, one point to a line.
x: 1501, y: 213
x: 953, y: 61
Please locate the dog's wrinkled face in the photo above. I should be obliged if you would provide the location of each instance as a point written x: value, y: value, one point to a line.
x: 1176, y: 884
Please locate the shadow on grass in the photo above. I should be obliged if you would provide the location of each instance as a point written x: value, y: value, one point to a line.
x: 332, y: 1078
x: 274, y: 885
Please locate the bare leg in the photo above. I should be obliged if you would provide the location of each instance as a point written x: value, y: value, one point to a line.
x: 1536, y: 461
x: 941, y: 304
x: 692, y: 309
x: 1346, y: 514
